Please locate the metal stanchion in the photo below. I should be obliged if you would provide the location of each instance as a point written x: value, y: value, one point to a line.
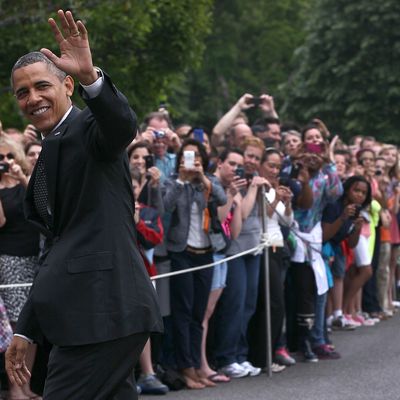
x: 262, y: 204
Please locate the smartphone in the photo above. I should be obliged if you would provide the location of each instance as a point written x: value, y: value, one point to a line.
x: 284, y: 181
x: 240, y: 172
x: 256, y: 101
x: 294, y: 173
x: 198, y: 134
x: 38, y: 134
x: 315, y: 148
x: 4, y: 167
x: 149, y: 160
x: 188, y: 159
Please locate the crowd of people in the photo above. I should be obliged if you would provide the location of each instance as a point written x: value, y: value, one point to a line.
x: 331, y: 223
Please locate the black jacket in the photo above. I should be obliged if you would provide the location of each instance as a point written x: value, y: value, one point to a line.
x: 92, y: 285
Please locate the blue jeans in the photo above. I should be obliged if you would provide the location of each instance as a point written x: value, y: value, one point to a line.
x: 235, y: 308
x: 317, y: 332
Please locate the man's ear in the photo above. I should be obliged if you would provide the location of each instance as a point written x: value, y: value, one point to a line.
x: 69, y: 85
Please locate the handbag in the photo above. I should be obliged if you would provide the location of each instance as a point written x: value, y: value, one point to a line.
x: 6, y: 332
x: 218, y: 238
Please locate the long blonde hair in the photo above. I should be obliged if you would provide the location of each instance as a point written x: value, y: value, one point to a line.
x: 394, y: 172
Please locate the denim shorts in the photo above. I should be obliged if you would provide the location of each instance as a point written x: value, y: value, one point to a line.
x: 338, y: 267
x: 219, y: 274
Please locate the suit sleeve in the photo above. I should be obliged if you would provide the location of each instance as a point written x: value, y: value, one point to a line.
x: 111, y: 122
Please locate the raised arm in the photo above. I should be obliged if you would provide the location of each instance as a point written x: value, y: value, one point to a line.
x: 115, y: 122
x: 221, y: 128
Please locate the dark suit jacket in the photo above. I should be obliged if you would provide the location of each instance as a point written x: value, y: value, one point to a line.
x: 92, y: 285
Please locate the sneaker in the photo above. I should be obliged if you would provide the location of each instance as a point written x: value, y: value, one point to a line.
x: 324, y: 352
x: 308, y: 354
x: 276, y: 368
x: 349, y: 318
x: 282, y: 357
x: 363, y: 321
x: 234, y: 370
x: 342, y: 324
x: 252, y: 370
x: 150, y: 384
x: 138, y: 389
x: 396, y: 304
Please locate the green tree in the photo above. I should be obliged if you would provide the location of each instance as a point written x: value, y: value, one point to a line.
x: 143, y: 44
x: 346, y: 73
x: 249, y: 50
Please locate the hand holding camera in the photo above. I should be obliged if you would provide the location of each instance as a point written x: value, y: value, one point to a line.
x: 267, y: 105
x: 245, y: 102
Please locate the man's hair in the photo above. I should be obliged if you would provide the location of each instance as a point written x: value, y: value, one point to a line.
x: 157, y: 115
x: 367, y: 139
x: 225, y: 154
x: 265, y: 121
x: 33, y: 58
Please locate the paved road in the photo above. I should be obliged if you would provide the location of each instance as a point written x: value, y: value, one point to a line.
x: 369, y: 370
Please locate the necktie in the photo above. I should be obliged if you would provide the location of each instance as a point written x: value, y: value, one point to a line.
x: 40, y: 194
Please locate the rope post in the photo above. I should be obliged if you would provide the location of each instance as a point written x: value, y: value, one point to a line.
x: 262, y: 204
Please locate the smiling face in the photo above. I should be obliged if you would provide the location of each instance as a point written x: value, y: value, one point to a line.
x: 137, y: 159
x: 42, y: 97
x: 314, y: 136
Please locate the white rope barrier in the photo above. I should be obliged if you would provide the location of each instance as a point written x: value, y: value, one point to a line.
x: 265, y: 242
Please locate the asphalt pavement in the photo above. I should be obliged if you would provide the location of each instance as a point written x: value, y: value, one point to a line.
x: 369, y: 369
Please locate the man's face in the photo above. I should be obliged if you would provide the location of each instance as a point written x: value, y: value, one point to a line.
x: 252, y: 159
x: 41, y: 96
x: 274, y: 132
x: 227, y: 169
x: 160, y: 146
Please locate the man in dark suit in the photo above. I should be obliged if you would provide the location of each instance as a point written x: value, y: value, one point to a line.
x: 92, y: 298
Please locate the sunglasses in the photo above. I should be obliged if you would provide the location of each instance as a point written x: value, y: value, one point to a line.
x: 10, y: 156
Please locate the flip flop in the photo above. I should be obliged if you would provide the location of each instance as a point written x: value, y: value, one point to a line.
x: 219, y: 378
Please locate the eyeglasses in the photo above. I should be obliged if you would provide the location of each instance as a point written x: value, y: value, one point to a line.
x: 10, y: 156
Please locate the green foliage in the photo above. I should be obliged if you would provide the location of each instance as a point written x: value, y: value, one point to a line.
x: 143, y: 44
x: 249, y: 51
x: 347, y: 70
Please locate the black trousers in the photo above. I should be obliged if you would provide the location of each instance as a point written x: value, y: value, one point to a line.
x: 100, y: 371
x: 189, y: 298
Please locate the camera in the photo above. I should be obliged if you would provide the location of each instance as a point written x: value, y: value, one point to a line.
x: 315, y: 148
x: 256, y: 101
x: 4, y: 167
x: 159, y: 134
x: 357, y: 213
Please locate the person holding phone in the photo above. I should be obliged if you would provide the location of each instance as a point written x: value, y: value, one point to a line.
x: 238, y: 301
x: 188, y: 245
x: 306, y: 273
x: 141, y: 159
